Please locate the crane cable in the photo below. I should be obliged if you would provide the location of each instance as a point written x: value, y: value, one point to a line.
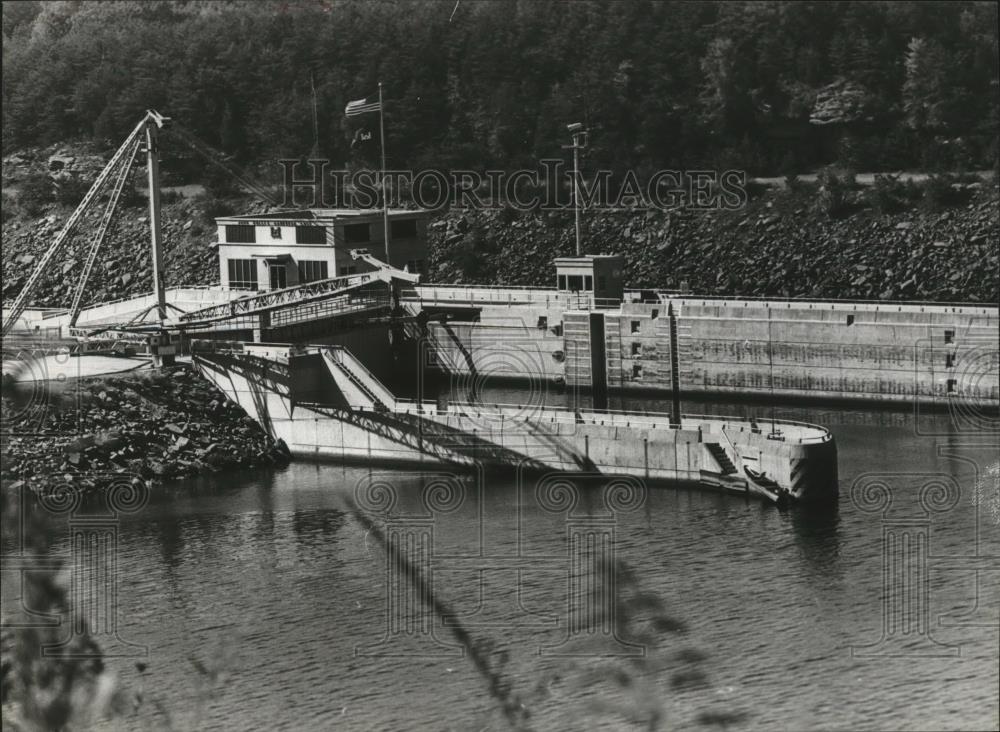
x: 102, y: 229
x: 21, y: 301
x: 215, y: 158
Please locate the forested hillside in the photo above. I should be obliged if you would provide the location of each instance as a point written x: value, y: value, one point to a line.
x: 767, y: 87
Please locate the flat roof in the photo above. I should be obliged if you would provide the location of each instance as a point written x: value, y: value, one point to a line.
x: 323, y: 214
x: 587, y: 258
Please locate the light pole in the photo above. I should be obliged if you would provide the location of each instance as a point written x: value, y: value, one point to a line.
x: 579, y: 143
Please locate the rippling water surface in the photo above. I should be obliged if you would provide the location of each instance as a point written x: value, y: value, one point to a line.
x: 266, y: 604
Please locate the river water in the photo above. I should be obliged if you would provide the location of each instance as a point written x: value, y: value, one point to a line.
x: 267, y: 602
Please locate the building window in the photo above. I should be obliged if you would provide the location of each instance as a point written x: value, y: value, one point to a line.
x: 949, y: 336
x: 312, y: 271
x: 850, y: 319
x: 636, y: 349
x: 655, y: 314
x: 357, y: 233
x: 310, y: 235
x: 562, y: 282
x: 949, y: 360
x: 243, y: 274
x: 275, y: 232
x: 240, y: 234
x: 543, y: 322
x: 637, y: 371
x: 951, y: 385
x: 405, y: 229
x: 416, y: 266
x: 588, y: 283
x: 635, y: 326
x: 575, y: 283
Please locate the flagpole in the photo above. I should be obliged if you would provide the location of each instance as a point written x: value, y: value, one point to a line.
x: 385, y: 195
x: 312, y: 85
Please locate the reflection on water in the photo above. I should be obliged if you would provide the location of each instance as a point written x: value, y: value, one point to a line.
x: 267, y: 604
x: 818, y: 538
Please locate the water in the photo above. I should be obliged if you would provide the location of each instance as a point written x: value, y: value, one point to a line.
x: 259, y: 598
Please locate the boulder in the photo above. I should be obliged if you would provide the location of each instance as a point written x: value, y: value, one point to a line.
x: 60, y: 162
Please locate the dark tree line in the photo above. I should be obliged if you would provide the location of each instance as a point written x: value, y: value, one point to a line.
x: 771, y: 87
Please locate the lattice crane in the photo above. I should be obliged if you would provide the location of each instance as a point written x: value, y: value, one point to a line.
x: 147, y: 128
x: 102, y: 230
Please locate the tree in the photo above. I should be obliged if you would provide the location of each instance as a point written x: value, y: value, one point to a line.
x: 927, y: 93
x: 718, y: 96
x: 664, y: 83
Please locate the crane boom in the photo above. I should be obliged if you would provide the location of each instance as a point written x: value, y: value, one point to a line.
x: 21, y: 301
x: 102, y: 229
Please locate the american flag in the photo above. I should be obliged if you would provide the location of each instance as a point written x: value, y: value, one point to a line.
x: 361, y: 106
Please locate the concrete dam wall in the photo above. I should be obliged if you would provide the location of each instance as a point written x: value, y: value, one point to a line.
x: 821, y: 350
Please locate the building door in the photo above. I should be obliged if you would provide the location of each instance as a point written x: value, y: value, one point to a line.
x: 277, y: 272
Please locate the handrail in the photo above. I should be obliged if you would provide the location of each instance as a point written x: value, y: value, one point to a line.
x: 285, y: 297
x: 731, y: 445
x: 345, y: 355
x: 653, y: 419
x: 676, y: 294
x: 832, y: 301
x: 345, y: 303
x: 107, y: 335
x: 62, y: 311
x: 567, y: 416
x: 463, y: 286
x: 571, y: 300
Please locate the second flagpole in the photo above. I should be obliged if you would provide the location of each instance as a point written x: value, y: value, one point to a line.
x: 385, y: 193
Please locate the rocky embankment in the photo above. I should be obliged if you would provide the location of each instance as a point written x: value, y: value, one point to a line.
x: 152, y: 425
x: 782, y: 243
x: 123, y: 268
x: 34, y: 214
x: 779, y: 245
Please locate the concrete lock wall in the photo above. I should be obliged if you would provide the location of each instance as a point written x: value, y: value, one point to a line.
x: 819, y: 350
x: 521, y: 343
x: 678, y: 454
x: 838, y: 350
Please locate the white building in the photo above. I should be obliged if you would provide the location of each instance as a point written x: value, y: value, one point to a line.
x: 272, y: 251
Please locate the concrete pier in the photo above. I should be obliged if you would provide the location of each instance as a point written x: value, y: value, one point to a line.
x: 324, y: 404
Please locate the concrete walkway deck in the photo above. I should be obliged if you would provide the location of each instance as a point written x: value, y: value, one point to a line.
x: 61, y: 367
